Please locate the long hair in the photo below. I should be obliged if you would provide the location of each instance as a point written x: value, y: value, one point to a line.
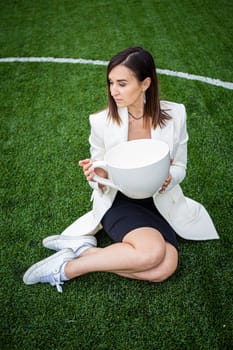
x: 141, y: 63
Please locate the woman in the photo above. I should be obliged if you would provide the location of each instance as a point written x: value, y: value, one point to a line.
x: 144, y: 231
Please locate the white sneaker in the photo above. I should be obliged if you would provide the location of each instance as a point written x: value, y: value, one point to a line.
x: 59, y: 242
x: 48, y: 270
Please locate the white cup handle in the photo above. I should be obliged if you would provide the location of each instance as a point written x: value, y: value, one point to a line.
x: 101, y: 180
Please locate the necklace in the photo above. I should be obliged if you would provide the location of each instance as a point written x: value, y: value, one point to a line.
x: 135, y: 118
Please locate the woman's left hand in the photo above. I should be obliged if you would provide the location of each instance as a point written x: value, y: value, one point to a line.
x: 165, y: 184
x: 167, y: 181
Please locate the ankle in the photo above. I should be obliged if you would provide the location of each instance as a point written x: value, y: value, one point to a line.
x: 63, y: 274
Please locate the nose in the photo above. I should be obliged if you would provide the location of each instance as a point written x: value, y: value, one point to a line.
x: 114, y: 91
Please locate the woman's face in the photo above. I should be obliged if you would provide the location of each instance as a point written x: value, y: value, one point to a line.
x: 125, y: 88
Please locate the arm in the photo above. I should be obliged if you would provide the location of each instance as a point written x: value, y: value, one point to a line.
x: 97, y: 151
x: 179, y: 161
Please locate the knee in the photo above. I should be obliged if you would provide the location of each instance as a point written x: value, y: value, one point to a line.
x: 151, y: 258
x: 163, y: 273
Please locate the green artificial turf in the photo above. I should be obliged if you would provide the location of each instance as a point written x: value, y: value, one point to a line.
x: 44, y: 132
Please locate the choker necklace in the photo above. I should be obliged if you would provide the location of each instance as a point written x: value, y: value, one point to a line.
x: 135, y: 118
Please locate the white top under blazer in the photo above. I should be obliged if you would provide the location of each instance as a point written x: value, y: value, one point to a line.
x: 188, y: 218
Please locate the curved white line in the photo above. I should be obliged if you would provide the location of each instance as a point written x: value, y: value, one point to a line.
x: 216, y: 82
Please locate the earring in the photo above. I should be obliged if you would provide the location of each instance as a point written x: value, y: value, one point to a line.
x: 144, y: 98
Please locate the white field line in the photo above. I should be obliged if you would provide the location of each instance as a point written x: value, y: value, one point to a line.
x: 216, y: 82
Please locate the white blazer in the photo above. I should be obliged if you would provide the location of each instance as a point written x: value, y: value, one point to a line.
x: 188, y: 218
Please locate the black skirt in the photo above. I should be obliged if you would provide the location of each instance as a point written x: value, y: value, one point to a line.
x: 127, y: 214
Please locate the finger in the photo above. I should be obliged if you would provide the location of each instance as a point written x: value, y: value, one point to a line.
x: 168, y: 180
x: 82, y: 162
x: 88, y: 168
x: 90, y: 176
x: 85, y: 164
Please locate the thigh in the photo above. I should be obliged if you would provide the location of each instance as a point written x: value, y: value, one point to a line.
x: 145, y: 238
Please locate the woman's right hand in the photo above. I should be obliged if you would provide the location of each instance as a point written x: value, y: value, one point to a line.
x: 88, y: 170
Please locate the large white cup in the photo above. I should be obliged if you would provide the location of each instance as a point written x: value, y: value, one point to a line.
x: 137, y: 168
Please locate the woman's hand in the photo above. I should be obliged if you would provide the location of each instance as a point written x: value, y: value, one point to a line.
x: 89, y: 172
x: 87, y: 169
x: 167, y: 181
x: 165, y: 184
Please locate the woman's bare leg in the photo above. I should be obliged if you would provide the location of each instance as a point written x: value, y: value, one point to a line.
x: 141, y: 251
x: 157, y: 274
x: 161, y: 272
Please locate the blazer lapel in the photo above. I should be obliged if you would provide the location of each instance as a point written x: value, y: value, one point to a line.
x: 165, y: 134
x: 114, y: 133
x: 123, y: 113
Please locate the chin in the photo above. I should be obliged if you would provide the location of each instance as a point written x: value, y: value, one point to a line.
x: 120, y: 104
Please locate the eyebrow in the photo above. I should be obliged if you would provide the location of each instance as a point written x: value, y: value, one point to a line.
x: 119, y: 80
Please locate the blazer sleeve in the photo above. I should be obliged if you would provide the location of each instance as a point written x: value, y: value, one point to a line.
x: 96, y: 138
x: 179, y: 163
x: 96, y: 141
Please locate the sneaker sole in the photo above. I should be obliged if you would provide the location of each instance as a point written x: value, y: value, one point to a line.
x: 64, y: 252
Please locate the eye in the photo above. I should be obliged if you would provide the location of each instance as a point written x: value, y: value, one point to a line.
x: 122, y: 84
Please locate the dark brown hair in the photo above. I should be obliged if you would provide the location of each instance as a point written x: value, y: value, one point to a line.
x: 141, y: 63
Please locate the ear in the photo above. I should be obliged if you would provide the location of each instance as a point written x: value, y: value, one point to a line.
x: 146, y: 84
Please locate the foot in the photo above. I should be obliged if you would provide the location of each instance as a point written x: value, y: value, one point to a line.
x: 59, y: 242
x: 48, y: 270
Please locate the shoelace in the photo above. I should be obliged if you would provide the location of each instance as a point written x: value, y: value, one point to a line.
x: 53, y: 280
